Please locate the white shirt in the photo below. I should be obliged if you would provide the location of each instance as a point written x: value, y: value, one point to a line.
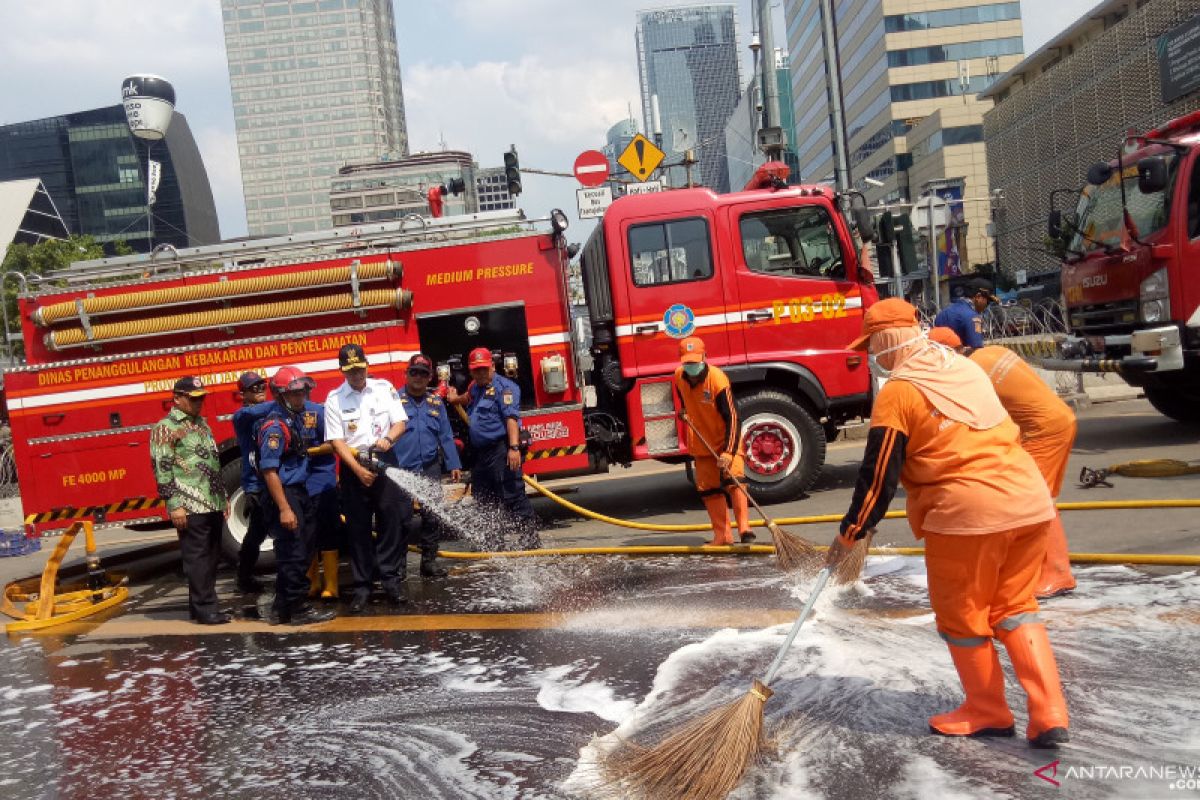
x: 361, y: 418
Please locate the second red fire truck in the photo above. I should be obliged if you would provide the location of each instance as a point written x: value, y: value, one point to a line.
x: 770, y: 278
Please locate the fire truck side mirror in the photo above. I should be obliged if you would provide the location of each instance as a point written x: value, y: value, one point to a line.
x: 864, y: 223
x: 1054, y: 224
x: 1152, y: 174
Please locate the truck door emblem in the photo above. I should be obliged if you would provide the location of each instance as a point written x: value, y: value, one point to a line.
x: 680, y: 321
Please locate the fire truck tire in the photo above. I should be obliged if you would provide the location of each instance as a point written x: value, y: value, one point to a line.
x: 238, y: 520
x: 1175, y: 402
x: 785, y: 446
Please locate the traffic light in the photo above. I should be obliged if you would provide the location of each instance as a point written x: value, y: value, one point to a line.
x: 455, y: 186
x: 512, y: 171
x: 895, y: 230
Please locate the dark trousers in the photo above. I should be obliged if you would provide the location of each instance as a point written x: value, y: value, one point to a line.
x: 293, y: 549
x: 379, y: 556
x: 256, y: 534
x: 200, y: 550
x: 327, y: 509
x: 493, y: 482
x: 423, y: 527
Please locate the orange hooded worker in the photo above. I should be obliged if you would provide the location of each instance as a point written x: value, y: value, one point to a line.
x: 1047, y: 433
x: 707, y: 401
x: 977, y: 499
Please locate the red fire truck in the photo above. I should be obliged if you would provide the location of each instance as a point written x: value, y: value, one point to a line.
x: 1133, y: 302
x: 770, y: 278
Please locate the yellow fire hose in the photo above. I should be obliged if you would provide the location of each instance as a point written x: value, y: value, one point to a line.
x: 45, y: 606
x: 217, y: 290
x: 223, y: 317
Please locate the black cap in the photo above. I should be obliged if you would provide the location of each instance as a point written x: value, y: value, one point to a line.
x: 249, y: 380
x: 351, y: 356
x: 982, y: 286
x: 190, y: 385
x: 420, y: 363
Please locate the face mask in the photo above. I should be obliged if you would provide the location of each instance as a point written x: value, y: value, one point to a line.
x: 694, y: 369
x: 878, y: 370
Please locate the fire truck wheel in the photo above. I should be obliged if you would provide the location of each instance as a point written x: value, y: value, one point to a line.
x: 238, y: 520
x: 1175, y: 402
x: 785, y: 446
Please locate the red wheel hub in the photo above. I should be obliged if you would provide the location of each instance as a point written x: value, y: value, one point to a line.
x: 769, y: 448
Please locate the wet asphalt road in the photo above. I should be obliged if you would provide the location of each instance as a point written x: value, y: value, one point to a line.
x: 495, y: 681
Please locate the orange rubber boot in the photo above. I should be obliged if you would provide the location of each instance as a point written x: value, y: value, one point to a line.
x: 1033, y: 660
x: 985, y: 711
x: 715, y: 505
x: 1056, y: 577
x: 741, y: 515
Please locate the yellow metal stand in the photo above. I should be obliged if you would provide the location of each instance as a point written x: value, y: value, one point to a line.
x: 44, y: 608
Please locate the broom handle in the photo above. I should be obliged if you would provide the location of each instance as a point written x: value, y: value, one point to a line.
x: 729, y: 475
x: 822, y: 577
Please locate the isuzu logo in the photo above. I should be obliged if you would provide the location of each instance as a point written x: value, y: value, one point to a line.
x: 1095, y: 281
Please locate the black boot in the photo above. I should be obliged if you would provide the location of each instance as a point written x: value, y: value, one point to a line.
x: 529, y: 538
x: 307, y: 615
x: 429, y: 566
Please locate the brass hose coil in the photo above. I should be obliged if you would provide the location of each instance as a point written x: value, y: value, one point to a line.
x: 152, y: 298
x: 222, y: 317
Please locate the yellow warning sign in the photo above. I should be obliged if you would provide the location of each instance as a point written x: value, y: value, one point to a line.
x: 641, y: 157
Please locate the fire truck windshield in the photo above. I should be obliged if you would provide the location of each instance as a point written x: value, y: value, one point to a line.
x: 793, y: 241
x: 1100, y: 223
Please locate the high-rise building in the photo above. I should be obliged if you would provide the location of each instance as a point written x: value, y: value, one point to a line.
x: 688, y: 67
x: 28, y: 215
x: 491, y: 184
x: 316, y: 85
x: 94, y: 170
x: 898, y: 66
x: 618, y: 138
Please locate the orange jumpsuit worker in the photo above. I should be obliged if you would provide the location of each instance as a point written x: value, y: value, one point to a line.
x: 1047, y: 433
x: 977, y: 499
x: 708, y: 402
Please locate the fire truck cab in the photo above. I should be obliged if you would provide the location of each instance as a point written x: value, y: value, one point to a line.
x: 771, y: 280
x: 1130, y: 274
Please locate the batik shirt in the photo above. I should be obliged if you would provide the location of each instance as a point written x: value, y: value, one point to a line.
x: 186, y: 467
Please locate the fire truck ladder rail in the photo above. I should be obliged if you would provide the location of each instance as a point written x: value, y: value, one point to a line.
x: 46, y: 606
x: 217, y: 290
x: 60, y: 340
x: 101, y: 273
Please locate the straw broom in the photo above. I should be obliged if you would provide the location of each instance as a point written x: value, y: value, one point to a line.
x: 850, y: 568
x: 706, y: 759
x: 792, y: 552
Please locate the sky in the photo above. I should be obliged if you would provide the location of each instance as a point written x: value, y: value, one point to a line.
x: 550, y: 77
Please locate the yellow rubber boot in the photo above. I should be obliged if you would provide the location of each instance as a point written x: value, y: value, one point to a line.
x: 1032, y: 658
x: 985, y: 712
x: 715, y: 505
x: 329, y: 563
x: 314, y: 579
x: 1056, y: 577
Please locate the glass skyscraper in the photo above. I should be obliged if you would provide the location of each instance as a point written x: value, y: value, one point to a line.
x: 94, y: 170
x: 316, y: 85
x: 688, y: 59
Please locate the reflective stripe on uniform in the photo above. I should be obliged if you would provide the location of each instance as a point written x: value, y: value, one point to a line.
x: 966, y: 641
x: 1017, y: 620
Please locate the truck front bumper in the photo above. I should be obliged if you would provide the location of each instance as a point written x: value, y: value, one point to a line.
x: 1150, y: 350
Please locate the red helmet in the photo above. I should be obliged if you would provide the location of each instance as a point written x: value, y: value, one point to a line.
x: 290, y: 379
x: 479, y: 357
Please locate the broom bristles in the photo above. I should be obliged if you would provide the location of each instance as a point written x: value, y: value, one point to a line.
x: 793, y: 552
x: 701, y: 760
x: 850, y: 568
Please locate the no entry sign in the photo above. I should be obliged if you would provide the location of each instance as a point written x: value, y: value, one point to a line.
x: 591, y: 168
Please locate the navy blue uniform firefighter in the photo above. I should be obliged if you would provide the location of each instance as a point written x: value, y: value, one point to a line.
x: 322, y: 488
x: 427, y: 448
x: 253, y: 390
x: 287, y: 508
x: 494, y: 407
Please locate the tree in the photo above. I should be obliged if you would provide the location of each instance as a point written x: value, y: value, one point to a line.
x: 46, y: 256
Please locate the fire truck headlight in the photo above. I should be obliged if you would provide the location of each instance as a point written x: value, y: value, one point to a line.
x: 1153, y: 311
x: 472, y: 325
x: 558, y: 220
